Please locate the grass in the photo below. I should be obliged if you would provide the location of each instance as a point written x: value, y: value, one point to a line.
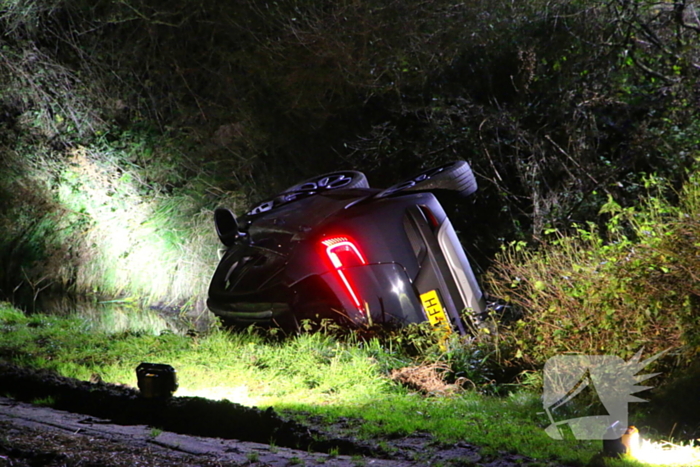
x: 104, y: 222
x: 44, y: 401
x: 510, y: 424
x: 137, y: 241
x: 302, y: 376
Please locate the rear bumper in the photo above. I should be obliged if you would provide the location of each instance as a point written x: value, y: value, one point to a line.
x: 384, y: 291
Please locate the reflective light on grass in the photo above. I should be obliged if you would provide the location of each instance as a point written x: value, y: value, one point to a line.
x: 667, y: 453
x: 238, y: 394
x: 121, y: 316
x: 132, y: 240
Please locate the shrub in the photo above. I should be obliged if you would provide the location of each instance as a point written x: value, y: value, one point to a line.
x: 634, y: 285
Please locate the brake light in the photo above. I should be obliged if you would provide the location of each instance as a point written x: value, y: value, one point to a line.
x: 430, y: 216
x: 343, y: 252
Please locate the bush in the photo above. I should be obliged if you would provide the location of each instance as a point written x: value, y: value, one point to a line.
x: 633, y: 286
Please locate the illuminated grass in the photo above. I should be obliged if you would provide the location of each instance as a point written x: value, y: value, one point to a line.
x: 307, y: 375
x: 135, y: 241
x: 667, y: 453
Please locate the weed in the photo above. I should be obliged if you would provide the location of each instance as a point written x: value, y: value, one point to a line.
x: 155, y: 432
x: 48, y: 401
x: 253, y: 456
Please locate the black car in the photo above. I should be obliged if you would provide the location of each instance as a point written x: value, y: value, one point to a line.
x: 332, y: 247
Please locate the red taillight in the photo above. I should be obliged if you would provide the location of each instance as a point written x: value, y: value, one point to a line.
x: 430, y: 216
x: 343, y: 252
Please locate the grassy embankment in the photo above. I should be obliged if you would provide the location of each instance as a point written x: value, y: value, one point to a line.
x: 632, y: 283
x: 307, y: 374
x: 113, y: 157
x: 310, y: 374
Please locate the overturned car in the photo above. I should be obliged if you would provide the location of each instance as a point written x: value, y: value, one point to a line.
x: 331, y: 247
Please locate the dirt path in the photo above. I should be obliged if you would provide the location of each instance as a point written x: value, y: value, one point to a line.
x: 32, y: 435
x: 43, y: 436
x: 107, y: 425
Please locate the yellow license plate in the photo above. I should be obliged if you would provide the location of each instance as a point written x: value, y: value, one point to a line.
x: 436, y: 313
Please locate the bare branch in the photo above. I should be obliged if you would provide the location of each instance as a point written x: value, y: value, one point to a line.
x: 679, y: 10
x: 150, y: 20
x: 646, y: 69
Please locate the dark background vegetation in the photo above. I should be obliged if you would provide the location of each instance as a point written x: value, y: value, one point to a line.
x: 130, y: 120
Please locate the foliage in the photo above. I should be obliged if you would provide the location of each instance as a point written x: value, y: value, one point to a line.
x: 551, y: 101
x: 92, y: 223
x: 335, y: 380
x: 632, y: 286
x: 307, y: 375
x: 556, y: 104
x: 96, y: 204
x: 124, y: 123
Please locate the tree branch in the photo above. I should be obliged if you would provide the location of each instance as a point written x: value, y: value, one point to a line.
x: 679, y: 9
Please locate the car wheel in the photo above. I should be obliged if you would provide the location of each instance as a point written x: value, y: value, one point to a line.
x: 331, y: 181
x: 455, y: 176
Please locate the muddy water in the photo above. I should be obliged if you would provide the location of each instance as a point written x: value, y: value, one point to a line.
x: 127, y: 314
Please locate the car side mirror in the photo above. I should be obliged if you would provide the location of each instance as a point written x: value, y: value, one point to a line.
x: 226, y: 226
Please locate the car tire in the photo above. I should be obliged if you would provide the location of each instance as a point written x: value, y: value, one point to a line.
x: 455, y: 176
x: 345, y: 179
